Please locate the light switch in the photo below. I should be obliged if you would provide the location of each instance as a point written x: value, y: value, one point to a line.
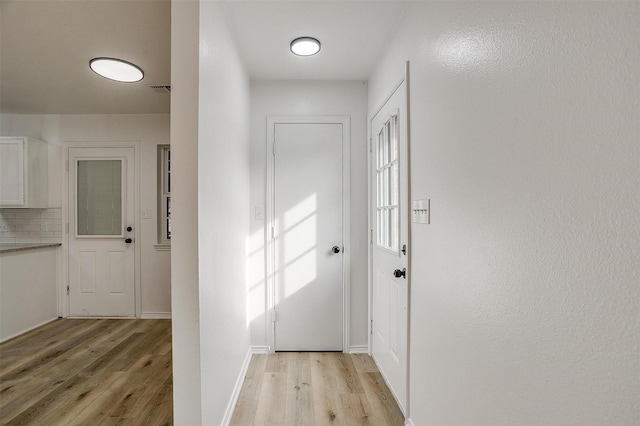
x: 421, y: 211
x: 259, y: 212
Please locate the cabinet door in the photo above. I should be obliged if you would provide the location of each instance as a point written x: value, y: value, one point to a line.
x: 12, y: 172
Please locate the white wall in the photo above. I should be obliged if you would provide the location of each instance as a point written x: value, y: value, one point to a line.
x: 150, y: 130
x: 525, y: 135
x: 210, y: 145
x: 223, y: 211
x: 310, y: 98
x: 185, y: 292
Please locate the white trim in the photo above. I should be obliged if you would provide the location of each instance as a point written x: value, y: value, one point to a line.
x: 20, y: 333
x: 62, y: 288
x: 359, y: 349
x: 260, y: 350
x: 345, y: 121
x: 235, y: 394
x: 155, y: 315
x: 409, y: 422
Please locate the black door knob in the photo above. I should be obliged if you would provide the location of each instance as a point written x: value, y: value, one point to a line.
x: 128, y: 241
x: 129, y: 229
x: 335, y: 249
x: 398, y: 273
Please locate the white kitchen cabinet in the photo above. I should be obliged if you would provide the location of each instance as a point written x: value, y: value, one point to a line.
x: 24, y: 171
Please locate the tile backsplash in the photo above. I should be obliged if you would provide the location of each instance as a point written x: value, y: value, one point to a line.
x: 31, y: 225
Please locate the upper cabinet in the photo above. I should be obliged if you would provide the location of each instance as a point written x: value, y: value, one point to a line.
x: 24, y: 171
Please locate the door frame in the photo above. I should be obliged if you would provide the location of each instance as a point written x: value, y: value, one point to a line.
x: 372, y: 221
x: 63, y: 297
x: 270, y: 266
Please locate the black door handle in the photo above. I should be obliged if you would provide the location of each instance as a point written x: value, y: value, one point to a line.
x: 335, y: 249
x: 128, y: 240
x: 129, y: 229
x: 398, y: 273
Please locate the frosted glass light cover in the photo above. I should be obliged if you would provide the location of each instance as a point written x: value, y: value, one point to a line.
x: 116, y: 69
x: 305, y: 46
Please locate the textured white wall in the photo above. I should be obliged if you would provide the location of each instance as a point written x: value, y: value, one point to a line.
x: 223, y: 211
x: 310, y: 98
x: 185, y: 291
x: 526, y: 137
x: 150, y: 130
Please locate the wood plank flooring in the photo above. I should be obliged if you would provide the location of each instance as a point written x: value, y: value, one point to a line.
x: 315, y: 389
x: 88, y: 372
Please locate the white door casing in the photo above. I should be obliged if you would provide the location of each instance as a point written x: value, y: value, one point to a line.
x: 307, y: 222
x: 101, y: 206
x: 390, y: 242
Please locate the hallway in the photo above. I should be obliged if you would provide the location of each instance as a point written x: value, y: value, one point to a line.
x: 312, y: 388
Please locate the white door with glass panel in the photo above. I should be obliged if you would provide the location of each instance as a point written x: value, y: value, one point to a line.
x: 308, y: 236
x: 101, y: 235
x: 390, y: 242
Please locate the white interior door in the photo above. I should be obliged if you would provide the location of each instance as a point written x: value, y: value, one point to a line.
x: 101, y: 234
x: 390, y: 241
x: 308, y: 236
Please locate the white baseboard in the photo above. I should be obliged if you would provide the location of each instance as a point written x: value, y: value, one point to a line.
x: 359, y: 349
x: 409, y: 422
x: 236, y: 389
x: 4, y: 339
x: 260, y: 349
x: 155, y: 315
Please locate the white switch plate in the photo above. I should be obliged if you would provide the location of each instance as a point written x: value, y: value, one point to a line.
x: 146, y: 214
x: 421, y: 211
x: 259, y: 212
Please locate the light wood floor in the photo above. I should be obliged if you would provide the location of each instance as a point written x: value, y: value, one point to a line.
x: 88, y: 372
x: 313, y: 388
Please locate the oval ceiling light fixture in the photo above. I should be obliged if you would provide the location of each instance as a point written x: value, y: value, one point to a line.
x: 116, y: 69
x: 305, y: 46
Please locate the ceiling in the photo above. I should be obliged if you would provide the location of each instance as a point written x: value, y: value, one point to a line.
x: 45, y: 48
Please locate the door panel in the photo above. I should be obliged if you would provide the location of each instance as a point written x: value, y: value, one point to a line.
x: 389, y: 206
x: 101, y: 206
x: 308, y: 214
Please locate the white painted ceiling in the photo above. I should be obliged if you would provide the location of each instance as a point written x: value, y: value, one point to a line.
x: 45, y: 48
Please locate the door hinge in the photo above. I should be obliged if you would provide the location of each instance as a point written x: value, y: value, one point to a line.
x: 67, y: 289
x: 274, y: 147
x: 273, y: 316
x: 371, y: 238
x: 371, y: 329
x: 370, y: 145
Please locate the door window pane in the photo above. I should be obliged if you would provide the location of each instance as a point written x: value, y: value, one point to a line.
x: 388, y: 223
x: 99, y: 195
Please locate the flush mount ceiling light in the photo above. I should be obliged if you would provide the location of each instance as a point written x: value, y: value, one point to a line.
x: 305, y: 46
x: 116, y: 69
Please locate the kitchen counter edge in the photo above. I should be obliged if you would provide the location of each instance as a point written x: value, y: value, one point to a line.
x: 11, y: 247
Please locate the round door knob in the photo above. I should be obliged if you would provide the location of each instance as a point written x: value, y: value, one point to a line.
x: 335, y: 249
x: 398, y: 273
x: 129, y: 229
x: 128, y: 240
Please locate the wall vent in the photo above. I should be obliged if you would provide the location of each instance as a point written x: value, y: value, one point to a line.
x: 161, y: 88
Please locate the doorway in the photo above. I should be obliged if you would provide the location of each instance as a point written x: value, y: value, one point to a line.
x: 101, y: 257
x: 307, y: 232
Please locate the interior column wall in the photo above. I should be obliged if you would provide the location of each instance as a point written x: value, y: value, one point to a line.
x: 223, y: 213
